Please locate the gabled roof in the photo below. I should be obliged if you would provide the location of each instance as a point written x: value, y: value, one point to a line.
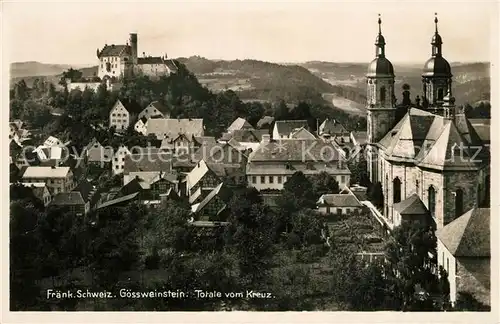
x: 468, y: 235
x: 130, y: 105
x: 331, y: 126
x: 266, y: 120
x: 99, y: 153
x: 239, y: 123
x: 159, y: 106
x: 339, y: 200
x: 171, y: 65
x: 220, y: 191
x: 68, y: 198
x: 155, y: 162
x: 197, y: 173
x: 150, y: 60
x: 411, y: 206
x: 302, y: 133
x: 171, y: 128
x: 45, y: 172
x: 286, y: 127
x: 118, y: 200
x: 115, y: 50
x: 297, y: 150
x: 360, y: 136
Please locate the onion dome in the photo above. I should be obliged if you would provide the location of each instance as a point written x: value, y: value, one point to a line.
x: 380, y: 66
x: 437, y: 65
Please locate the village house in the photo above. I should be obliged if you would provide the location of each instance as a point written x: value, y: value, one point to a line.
x: 411, y: 210
x: 176, y: 134
x: 118, y: 162
x: 302, y: 133
x: 274, y: 162
x: 98, y: 155
x: 340, y: 204
x: 146, y: 165
x: 331, y: 128
x: 201, y: 181
x: 73, y: 201
x: 151, y: 189
x: 57, y: 179
x: 214, y: 206
x: 123, y: 114
x: 40, y: 191
x: 464, y: 252
x: 118, y: 202
x: 239, y: 124
x: 154, y: 110
x: 247, y: 138
x: 284, y: 129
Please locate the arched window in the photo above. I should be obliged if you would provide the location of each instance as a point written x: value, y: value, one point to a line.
x: 382, y: 95
x: 459, y: 203
x: 431, y: 196
x: 396, y: 190
x: 440, y: 94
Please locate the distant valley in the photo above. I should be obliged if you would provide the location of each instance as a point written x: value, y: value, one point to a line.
x: 340, y: 84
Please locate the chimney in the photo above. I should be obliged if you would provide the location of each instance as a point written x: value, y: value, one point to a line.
x: 266, y: 138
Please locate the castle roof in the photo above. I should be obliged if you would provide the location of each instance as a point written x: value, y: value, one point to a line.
x: 115, y: 50
x: 432, y: 141
x: 150, y: 60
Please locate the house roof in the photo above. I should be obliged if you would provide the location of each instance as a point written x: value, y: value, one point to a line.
x: 339, y: 200
x: 99, y: 153
x: 201, y: 140
x: 159, y: 106
x: 45, y: 172
x: 132, y: 106
x: 150, y: 60
x: 332, y: 126
x: 171, y: 128
x: 302, y: 133
x: 411, y: 206
x: 161, y: 161
x: 68, y: 198
x: 266, y: 120
x: 431, y: 141
x: 245, y: 135
x: 483, y: 131
x: 115, y: 50
x: 286, y: 127
x: 297, y: 150
x: 468, y: 235
x: 118, y: 200
x: 260, y: 169
x: 51, y: 141
x: 86, y: 189
x: 221, y: 191
x: 239, y: 123
x: 197, y: 173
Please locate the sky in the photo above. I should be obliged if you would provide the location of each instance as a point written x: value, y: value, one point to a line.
x: 276, y: 31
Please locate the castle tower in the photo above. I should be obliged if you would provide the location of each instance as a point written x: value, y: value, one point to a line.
x: 380, y: 101
x: 133, y: 46
x: 436, y: 77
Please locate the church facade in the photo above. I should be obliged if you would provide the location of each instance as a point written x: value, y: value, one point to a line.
x: 430, y: 150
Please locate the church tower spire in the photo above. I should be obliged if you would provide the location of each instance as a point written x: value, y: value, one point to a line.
x: 436, y: 77
x: 380, y: 100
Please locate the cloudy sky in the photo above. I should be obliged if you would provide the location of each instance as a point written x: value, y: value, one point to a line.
x: 277, y: 31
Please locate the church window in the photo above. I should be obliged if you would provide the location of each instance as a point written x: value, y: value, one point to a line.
x: 431, y: 196
x: 396, y: 190
x: 417, y: 186
x: 382, y: 95
x: 440, y: 94
x: 459, y: 203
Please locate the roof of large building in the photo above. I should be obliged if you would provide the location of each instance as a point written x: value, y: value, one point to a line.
x: 171, y: 128
x: 115, y: 50
x: 339, y: 200
x: 297, y: 150
x: 161, y: 161
x: 411, y: 206
x: 468, y: 235
x: 286, y: 127
x: 150, y: 60
x: 45, y: 172
x: 432, y: 141
x: 68, y: 198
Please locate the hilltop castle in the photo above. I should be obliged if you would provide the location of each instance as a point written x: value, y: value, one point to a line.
x: 426, y: 155
x: 117, y: 61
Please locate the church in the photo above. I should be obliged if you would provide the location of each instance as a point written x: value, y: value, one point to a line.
x: 425, y: 154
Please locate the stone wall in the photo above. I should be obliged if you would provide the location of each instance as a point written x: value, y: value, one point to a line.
x: 468, y: 182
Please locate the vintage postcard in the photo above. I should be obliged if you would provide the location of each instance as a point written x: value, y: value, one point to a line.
x: 250, y: 160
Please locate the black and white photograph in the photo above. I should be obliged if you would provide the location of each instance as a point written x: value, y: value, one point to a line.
x: 233, y: 157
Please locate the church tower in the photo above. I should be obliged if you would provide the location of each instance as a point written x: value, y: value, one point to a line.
x: 436, y: 77
x: 380, y: 101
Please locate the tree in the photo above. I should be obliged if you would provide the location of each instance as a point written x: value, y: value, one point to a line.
x: 281, y: 111
x: 324, y: 183
x: 71, y: 74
